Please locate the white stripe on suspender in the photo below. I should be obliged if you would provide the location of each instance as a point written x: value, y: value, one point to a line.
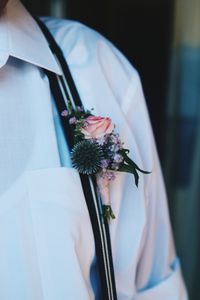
x: 103, y: 242
x: 99, y: 217
x: 66, y: 85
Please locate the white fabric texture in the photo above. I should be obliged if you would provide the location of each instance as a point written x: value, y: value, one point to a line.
x: 46, y: 240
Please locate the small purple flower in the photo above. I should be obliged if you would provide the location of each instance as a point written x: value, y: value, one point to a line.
x: 114, y: 148
x: 72, y: 120
x: 101, y: 141
x: 64, y: 113
x: 118, y: 158
x: 108, y: 175
x: 115, y: 138
x: 104, y: 163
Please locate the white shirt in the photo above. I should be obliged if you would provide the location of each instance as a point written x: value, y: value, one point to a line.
x: 46, y: 241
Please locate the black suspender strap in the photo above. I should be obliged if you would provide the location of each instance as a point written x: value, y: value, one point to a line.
x: 64, y: 90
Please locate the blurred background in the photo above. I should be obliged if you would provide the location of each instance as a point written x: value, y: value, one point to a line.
x: 161, y: 38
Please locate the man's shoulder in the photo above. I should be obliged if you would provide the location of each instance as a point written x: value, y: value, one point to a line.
x: 59, y: 26
x: 71, y: 34
x: 81, y: 44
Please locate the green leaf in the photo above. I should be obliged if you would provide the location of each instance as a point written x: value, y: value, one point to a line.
x: 129, y: 166
x: 108, y: 213
x: 129, y: 161
x: 130, y: 169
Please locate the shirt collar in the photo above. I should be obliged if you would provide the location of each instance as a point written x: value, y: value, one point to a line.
x: 21, y: 37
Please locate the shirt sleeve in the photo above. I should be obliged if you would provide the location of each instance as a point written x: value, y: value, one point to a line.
x: 158, y: 270
x: 158, y: 274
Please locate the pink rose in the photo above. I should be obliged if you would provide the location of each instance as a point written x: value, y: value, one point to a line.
x: 97, y: 127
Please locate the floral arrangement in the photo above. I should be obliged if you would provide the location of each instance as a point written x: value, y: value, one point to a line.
x: 99, y: 151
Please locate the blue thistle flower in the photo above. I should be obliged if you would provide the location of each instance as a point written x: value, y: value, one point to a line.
x: 86, y: 157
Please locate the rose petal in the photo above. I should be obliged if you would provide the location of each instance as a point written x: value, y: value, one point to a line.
x: 97, y: 127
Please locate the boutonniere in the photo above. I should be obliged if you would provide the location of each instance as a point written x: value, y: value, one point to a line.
x: 98, y: 150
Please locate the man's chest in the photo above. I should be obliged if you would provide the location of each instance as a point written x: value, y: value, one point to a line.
x: 27, y: 133
x: 38, y: 194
